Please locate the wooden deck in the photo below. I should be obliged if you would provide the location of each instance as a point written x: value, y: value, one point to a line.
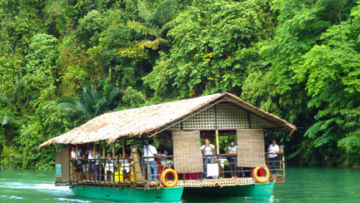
x: 186, y: 183
x: 217, y: 182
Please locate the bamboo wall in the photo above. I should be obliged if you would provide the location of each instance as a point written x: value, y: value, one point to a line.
x: 224, y: 116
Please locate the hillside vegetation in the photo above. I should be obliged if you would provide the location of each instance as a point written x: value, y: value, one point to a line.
x: 63, y: 62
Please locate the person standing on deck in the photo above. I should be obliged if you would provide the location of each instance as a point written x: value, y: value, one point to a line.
x: 149, y: 153
x: 161, y: 159
x: 207, y: 149
x: 232, y: 151
x: 73, y: 164
x: 97, y: 164
x: 94, y: 165
x: 79, y: 165
x: 273, y: 150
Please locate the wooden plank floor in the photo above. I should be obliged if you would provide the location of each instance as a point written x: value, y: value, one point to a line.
x: 186, y: 183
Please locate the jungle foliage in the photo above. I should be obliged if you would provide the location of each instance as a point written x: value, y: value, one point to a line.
x: 63, y: 62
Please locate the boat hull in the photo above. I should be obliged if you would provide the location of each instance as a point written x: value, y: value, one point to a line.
x: 129, y: 195
x: 263, y: 191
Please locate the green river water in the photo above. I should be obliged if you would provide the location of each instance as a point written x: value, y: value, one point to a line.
x: 302, y: 185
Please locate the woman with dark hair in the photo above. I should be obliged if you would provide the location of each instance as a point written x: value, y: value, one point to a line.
x: 232, y: 151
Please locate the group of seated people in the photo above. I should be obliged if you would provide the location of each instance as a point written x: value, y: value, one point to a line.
x: 94, y: 166
x: 88, y: 164
x: 91, y: 165
x: 231, y: 169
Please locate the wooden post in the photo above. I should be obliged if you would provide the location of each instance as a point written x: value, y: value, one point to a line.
x: 117, y: 161
x: 216, y: 132
x: 76, y: 156
x: 217, y: 141
x: 94, y: 148
x: 104, y: 157
x: 124, y: 145
x: 103, y: 149
x: 139, y: 178
x: 99, y: 174
x: 103, y: 161
x: 94, y: 166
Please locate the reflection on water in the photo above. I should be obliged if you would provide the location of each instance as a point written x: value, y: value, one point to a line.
x: 302, y: 185
x: 319, y: 185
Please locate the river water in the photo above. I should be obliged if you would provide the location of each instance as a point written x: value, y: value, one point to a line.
x: 302, y: 185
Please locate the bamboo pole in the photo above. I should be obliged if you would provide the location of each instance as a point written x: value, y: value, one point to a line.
x: 216, y: 132
x: 94, y: 166
x: 103, y: 149
x: 217, y: 141
x: 76, y: 156
x: 94, y: 148
x: 124, y: 145
x: 99, y: 174
x: 102, y: 160
x: 113, y: 149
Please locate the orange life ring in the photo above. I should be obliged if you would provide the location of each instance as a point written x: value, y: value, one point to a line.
x: 163, y: 178
x: 261, y: 179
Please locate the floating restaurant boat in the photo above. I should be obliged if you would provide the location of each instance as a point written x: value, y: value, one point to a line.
x: 115, y: 167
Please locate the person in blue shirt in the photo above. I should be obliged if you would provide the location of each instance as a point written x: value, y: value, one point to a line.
x: 232, y: 151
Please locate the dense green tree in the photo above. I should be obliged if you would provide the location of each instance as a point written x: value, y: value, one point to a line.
x: 297, y: 59
x: 211, y: 48
x: 40, y: 72
x: 304, y: 65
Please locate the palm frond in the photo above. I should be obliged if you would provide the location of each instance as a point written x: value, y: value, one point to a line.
x: 142, y: 28
x: 152, y: 44
x: 90, y: 102
x: 164, y: 13
x: 67, y: 106
x: 100, y: 106
x: 94, y: 93
x: 116, y: 92
x: 80, y: 107
x: 167, y: 26
x: 144, y: 10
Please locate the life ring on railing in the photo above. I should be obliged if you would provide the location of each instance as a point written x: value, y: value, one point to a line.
x: 261, y: 179
x: 163, y: 178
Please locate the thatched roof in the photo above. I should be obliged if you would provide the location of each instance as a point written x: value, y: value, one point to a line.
x: 149, y: 119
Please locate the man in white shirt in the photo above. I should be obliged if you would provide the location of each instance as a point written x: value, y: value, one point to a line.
x: 149, y: 154
x: 207, y: 149
x: 274, y: 151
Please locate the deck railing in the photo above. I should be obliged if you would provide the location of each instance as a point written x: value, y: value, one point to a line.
x: 103, y: 171
x: 277, y: 167
x: 120, y: 172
